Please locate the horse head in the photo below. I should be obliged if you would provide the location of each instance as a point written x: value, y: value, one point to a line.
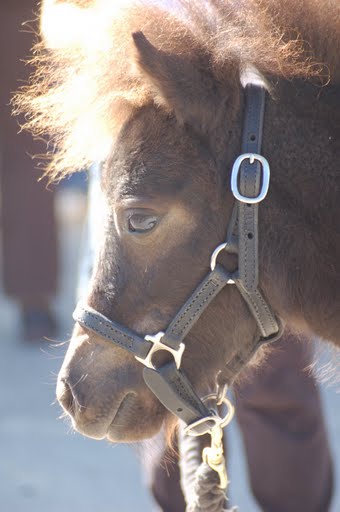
x: 172, y: 103
x: 167, y: 205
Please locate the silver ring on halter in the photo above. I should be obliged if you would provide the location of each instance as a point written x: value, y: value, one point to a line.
x: 221, y: 393
x: 213, y: 258
x: 189, y: 430
x: 222, y: 400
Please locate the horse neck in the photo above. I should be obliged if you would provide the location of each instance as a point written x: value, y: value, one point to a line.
x: 299, y: 221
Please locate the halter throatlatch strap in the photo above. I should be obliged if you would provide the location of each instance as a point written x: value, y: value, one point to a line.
x: 249, y: 183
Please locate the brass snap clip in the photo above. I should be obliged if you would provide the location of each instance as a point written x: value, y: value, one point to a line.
x: 213, y: 455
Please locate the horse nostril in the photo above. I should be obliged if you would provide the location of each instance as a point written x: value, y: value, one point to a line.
x: 65, y: 396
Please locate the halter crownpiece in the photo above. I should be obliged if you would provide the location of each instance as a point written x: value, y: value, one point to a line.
x: 249, y: 183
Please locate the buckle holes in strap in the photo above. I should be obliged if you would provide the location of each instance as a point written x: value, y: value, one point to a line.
x: 250, y: 236
x: 252, y: 137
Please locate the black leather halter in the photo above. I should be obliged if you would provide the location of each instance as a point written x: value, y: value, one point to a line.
x: 249, y: 183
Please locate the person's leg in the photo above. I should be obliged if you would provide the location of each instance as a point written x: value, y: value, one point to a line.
x: 27, y: 210
x: 280, y: 414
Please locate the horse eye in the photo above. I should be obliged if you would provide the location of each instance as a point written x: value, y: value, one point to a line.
x: 141, y: 223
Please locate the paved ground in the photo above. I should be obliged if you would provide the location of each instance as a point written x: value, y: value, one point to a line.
x: 44, y: 467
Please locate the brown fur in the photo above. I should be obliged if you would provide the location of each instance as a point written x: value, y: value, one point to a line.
x: 163, y: 92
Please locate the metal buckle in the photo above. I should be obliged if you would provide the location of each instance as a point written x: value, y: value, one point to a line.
x: 156, y: 346
x: 265, y: 177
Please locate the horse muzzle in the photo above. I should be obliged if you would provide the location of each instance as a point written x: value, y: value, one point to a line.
x: 101, y: 389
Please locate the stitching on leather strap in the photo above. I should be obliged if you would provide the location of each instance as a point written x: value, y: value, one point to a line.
x: 130, y: 341
x: 268, y: 311
x: 258, y: 316
x: 193, y: 304
x: 180, y: 387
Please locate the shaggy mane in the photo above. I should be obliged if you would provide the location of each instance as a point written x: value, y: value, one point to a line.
x: 86, y: 82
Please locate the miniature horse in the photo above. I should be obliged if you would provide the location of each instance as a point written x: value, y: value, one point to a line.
x: 157, y: 97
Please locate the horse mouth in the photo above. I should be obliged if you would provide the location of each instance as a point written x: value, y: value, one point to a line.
x: 122, y: 427
x: 101, y: 427
x: 127, y: 424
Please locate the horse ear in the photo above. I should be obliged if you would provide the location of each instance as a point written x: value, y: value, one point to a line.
x: 179, y: 85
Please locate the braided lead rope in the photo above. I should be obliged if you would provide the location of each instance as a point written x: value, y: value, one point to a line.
x: 200, y: 484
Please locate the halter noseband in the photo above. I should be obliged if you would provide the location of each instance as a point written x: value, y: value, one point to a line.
x: 249, y: 183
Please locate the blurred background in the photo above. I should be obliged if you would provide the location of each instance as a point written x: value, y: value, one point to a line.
x: 44, y: 466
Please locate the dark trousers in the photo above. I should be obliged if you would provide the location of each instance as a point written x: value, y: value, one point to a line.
x: 280, y: 416
x: 29, y: 241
